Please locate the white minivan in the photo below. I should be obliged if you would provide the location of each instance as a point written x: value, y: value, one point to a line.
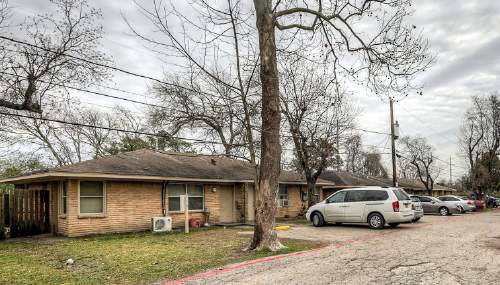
x: 376, y: 206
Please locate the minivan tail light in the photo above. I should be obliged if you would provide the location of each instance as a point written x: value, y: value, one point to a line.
x: 395, y: 206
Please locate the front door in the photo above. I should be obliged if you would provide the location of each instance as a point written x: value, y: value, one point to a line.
x: 250, y: 204
x: 226, y: 204
x: 334, y: 208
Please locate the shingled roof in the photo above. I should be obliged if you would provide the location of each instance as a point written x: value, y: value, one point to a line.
x: 158, y: 165
x: 348, y: 179
x: 344, y: 178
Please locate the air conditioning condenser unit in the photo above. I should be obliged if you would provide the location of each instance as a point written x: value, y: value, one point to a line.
x: 161, y: 224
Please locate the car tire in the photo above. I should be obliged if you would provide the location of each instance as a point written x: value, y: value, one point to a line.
x: 393, y: 225
x: 338, y: 224
x: 443, y: 211
x: 461, y: 209
x: 376, y: 221
x: 317, y: 220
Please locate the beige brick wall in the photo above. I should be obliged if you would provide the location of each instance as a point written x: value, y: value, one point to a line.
x: 129, y: 207
x: 295, y: 203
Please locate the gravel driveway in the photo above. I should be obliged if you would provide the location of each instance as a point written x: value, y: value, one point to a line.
x: 460, y: 249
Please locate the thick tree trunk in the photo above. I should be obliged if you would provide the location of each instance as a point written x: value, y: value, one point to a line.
x: 265, y: 236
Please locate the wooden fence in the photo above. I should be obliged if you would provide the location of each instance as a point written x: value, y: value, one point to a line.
x: 24, y: 212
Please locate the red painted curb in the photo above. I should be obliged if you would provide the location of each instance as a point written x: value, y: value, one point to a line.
x: 277, y: 257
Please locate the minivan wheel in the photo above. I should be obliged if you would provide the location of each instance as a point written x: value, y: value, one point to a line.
x: 317, y: 220
x: 376, y: 221
x: 443, y: 211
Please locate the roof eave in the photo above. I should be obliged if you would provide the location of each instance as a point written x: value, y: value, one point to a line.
x: 51, y: 175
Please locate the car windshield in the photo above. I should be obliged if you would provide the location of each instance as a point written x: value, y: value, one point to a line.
x: 401, y: 194
x: 415, y: 199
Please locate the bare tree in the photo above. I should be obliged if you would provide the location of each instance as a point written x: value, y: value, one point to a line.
x: 480, y: 140
x: 373, y: 164
x: 385, y: 58
x: 388, y: 59
x: 420, y: 154
x: 354, y: 153
x: 315, y: 117
x: 30, y: 71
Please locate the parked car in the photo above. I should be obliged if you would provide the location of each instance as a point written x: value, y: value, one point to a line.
x: 376, y: 206
x: 472, y: 202
x: 458, y: 202
x: 417, y: 208
x: 492, y: 202
x: 432, y: 205
x: 479, y: 204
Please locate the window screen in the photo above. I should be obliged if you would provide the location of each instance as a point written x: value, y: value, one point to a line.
x: 195, y: 194
x: 91, y: 197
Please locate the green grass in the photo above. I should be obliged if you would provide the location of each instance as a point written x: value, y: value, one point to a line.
x: 301, y: 220
x: 127, y: 259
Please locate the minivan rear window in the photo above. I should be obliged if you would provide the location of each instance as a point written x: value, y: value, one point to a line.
x: 401, y: 194
x: 376, y: 195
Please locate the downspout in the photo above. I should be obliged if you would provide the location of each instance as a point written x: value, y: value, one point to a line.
x: 163, y: 198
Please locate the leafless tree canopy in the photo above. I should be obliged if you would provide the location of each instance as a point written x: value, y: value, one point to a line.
x: 480, y: 141
x: 420, y: 154
x: 365, y: 40
x: 29, y: 73
x: 216, y: 91
x: 315, y: 116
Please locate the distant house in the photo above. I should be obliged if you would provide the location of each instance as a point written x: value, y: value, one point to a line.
x: 121, y: 193
x: 344, y: 179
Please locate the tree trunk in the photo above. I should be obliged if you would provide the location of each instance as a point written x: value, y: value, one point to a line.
x: 265, y: 236
x: 311, y: 185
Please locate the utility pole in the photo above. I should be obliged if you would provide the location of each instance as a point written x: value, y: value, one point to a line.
x: 449, y: 185
x: 338, y: 146
x: 393, y: 146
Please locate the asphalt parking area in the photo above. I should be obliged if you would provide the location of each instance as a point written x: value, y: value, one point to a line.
x: 349, y: 232
x: 458, y: 249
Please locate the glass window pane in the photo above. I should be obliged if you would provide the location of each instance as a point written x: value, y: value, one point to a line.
x: 376, y: 195
x: 283, y: 189
x: 91, y: 188
x: 195, y: 203
x: 174, y: 203
x: 401, y: 194
x: 355, y: 196
x: 195, y: 190
x: 91, y: 205
x: 337, y: 197
x: 175, y: 190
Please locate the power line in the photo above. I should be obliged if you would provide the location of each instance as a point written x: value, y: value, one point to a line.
x: 103, y: 65
x: 111, y: 128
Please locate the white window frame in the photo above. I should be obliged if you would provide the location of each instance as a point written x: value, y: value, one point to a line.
x: 62, y: 201
x: 103, y: 213
x: 185, y: 193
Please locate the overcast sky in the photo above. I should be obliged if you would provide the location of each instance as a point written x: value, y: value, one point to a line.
x: 464, y: 35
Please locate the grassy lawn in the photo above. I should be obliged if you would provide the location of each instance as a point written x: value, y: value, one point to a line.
x: 301, y: 220
x: 126, y: 259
